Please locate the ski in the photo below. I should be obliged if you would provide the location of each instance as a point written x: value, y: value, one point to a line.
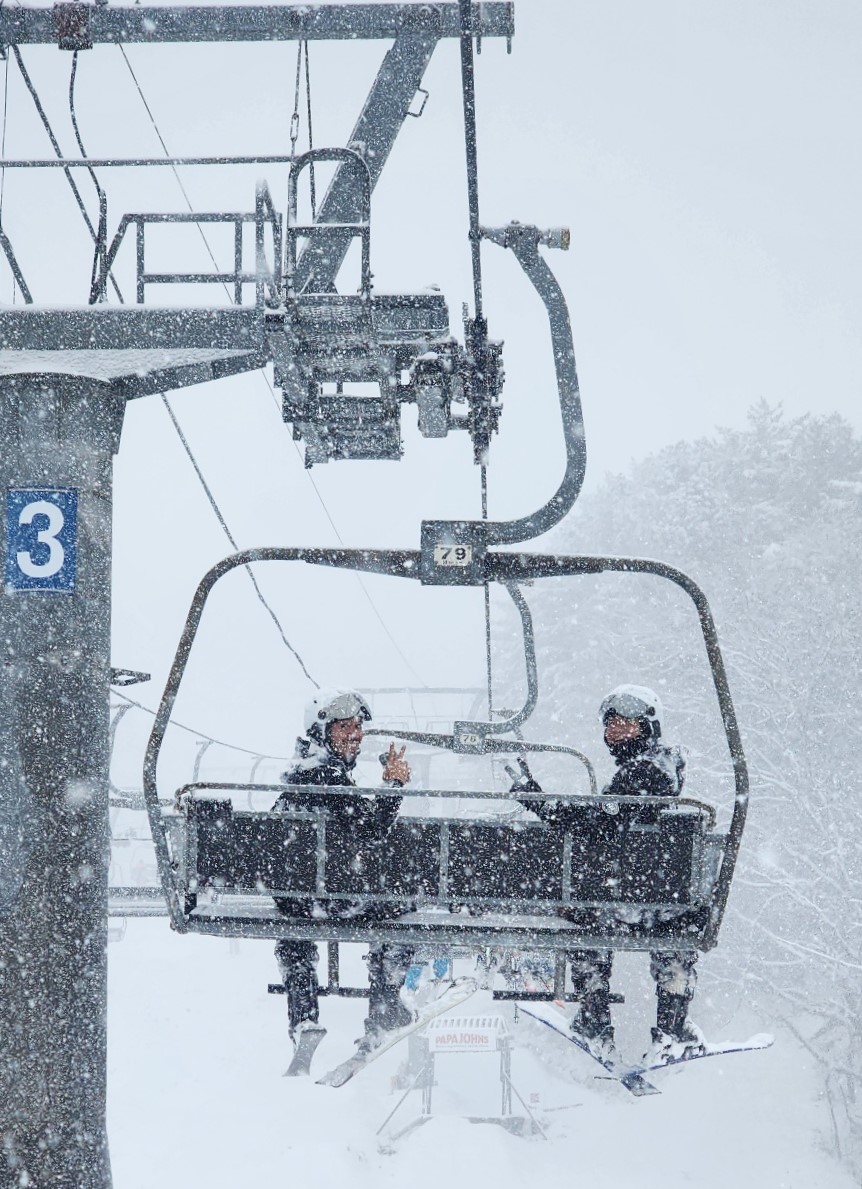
x: 762, y: 1040
x: 632, y: 1079
x: 458, y: 991
x: 310, y: 1037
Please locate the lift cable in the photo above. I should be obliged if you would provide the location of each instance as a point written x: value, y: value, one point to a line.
x: 302, y: 46
x: 101, y: 248
x: 17, y: 275
x: 468, y: 90
x: 310, y: 135
x: 359, y: 578
x: 294, y: 133
x: 55, y: 144
x: 202, y: 735
x: 230, y: 537
x: 177, y: 427
x: 185, y: 442
x: 173, y: 167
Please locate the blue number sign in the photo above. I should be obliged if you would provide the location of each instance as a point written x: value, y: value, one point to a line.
x: 41, y: 538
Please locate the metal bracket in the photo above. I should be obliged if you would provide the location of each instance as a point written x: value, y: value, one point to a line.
x: 73, y: 27
x: 452, y: 553
x: 121, y: 677
x: 425, y: 97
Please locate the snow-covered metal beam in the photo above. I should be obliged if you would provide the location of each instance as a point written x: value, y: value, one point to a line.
x: 81, y: 26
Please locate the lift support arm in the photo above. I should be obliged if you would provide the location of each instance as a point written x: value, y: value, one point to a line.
x: 80, y: 26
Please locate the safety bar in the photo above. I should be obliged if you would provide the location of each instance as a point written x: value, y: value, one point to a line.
x: 493, y: 746
x: 608, y: 801
x: 360, y: 228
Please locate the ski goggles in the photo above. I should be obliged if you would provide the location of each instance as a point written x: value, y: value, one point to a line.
x: 347, y: 705
x: 626, y: 706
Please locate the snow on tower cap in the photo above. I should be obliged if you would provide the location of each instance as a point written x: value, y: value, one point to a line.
x: 632, y: 701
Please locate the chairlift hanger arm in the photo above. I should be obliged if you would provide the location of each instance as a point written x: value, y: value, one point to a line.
x: 524, y: 242
x: 477, y: 536
x: 81, y: 26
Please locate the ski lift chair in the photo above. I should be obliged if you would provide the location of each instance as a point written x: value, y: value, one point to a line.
x: 631, y: 872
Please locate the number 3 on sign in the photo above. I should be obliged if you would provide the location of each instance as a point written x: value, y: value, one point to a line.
x: 41, y: 538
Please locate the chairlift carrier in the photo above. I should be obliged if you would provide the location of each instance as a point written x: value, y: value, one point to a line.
x: 630, y: 873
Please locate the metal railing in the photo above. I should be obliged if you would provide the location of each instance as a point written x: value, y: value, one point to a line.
x: 359, y: 228
x: 265, y: 276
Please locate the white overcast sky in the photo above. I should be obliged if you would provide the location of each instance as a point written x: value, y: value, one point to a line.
x: 705, y: 156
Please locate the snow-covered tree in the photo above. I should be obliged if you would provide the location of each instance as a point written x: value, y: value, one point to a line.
x: 768, y: 520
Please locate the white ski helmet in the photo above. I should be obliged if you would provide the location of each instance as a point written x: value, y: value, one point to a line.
x: 634, y: 701
x: 333, y: 705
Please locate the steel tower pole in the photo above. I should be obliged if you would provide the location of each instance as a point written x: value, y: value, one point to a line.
x: 59, y: 438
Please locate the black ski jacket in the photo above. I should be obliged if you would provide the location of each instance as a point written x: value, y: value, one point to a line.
x: 657, y: 771
x: 356, y: 827
x: 317, y: 767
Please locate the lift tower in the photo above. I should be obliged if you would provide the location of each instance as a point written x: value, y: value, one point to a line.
x: 65, y: 377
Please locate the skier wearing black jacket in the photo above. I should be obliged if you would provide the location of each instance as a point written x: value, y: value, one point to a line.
x: 631, y: 716
x: 325, y: 758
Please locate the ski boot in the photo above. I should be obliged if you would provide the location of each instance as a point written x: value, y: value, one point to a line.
x: 387, y: 970
x: 376, y: 1030
x: 600, y: 1044
x: 306, y: 1037
x: 675, y: 1036
x: 386, y: 1013
x: 592, y: 1027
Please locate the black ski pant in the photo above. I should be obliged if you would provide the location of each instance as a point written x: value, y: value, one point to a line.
x: 387, y: 969
x: 673, y: 971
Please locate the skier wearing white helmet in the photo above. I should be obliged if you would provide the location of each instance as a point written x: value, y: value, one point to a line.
x: 325, y: 757
x: 631, y: 716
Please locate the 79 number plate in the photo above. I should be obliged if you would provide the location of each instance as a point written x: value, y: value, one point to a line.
x: 453, y: 555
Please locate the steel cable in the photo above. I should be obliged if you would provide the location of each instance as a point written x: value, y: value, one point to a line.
x: 234, y: 545
x: 17, y: 275
x: 101, y: 247
x: 294, y: 132
x: 468, y: 90
x: 55, y: 144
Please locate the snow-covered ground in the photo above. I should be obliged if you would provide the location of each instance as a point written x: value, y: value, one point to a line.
x: 197, y: 1098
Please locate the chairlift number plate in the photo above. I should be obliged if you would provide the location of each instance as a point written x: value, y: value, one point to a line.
x: 453, y: 555
x: 41, y: 538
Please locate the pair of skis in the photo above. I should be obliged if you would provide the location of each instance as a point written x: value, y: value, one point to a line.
x: 633, y: 1077
x: 310, y: 1037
